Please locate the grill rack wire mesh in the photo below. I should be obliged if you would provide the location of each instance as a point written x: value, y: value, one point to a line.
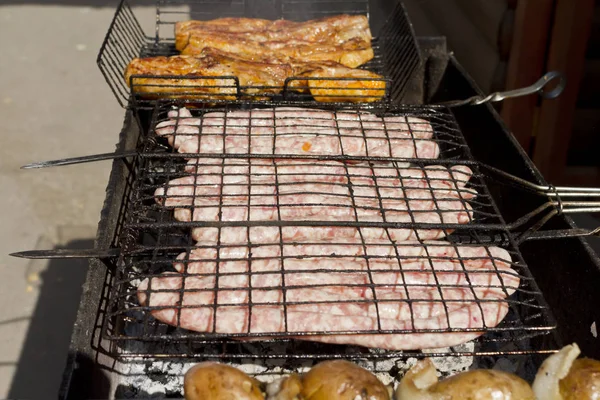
x: 396, y: 54
x: 151, y: 239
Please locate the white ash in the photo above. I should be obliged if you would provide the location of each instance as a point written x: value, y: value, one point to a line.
x: 152, y: 379
x: 450, y: 365
x: 163, y: 378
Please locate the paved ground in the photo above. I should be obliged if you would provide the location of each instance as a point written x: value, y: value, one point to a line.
x: 53, y: 103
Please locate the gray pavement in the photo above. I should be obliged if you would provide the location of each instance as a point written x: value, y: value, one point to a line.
x: 53, y: 103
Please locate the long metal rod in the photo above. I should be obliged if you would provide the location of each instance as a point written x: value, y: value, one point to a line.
x: 80, y: 160
x: 547, y: 190
x: 67, y: 253
x: 563, y: 234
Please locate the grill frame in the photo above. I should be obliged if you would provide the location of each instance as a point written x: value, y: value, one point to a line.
x: 90, y: 372
x: 397, y: 56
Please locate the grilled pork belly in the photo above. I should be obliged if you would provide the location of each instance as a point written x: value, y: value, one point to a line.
x: 259, y: 77
x: 351, y: 53
x: 263, y: 75
x: 334, y: 30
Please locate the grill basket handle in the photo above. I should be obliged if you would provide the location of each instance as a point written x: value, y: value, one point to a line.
x: 537, y: 87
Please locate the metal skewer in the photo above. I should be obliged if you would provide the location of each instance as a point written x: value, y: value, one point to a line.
x: 67, y: 253
x: 80, y: 160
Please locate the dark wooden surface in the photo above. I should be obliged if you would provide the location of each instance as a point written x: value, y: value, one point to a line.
x: 583, y: 163
x: 526, y: 64
x: 582, y: 176
x: 568, y: 43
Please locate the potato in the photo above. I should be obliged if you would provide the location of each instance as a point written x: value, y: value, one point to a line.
x: 341, y: 380
x: 582, y: 382
x: 421, y: 383
x: 552, y: 370
x: 213, y: 381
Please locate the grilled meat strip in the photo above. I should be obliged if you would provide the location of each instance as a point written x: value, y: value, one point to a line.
x: 263, y: 53
x: 298, y: 131
x: 296, y: 190
x: 336, y: 29
x: 323, y: 84
x: 257, y: 77
x: 333, y: 287
x: 351, y: 53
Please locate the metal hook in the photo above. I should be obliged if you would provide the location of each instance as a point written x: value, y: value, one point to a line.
x: 546, y: 79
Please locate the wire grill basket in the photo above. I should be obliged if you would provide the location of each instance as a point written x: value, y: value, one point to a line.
x: 396, y: 55
x: 247, y: 278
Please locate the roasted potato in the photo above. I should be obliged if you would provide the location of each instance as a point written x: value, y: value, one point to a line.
x: 341, y: 380
x: 582, y: 382
x: 213, y: 381
x: 563, y: 377
x: 421, y: 383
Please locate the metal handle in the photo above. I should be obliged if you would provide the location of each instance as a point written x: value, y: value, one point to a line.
x: 559, y: 234
x: 537, y: 87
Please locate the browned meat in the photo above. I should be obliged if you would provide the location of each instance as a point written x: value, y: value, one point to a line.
x: 256, y: 76
x: 366, y: 86
x: 351, y: 53
x: 263, y: 77
x: 336, y: 29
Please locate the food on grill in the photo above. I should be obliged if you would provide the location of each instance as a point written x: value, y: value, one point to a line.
x: 213, y: 381
x: 335, y: 29
x: 299, y: 131
x: 421, y: 383
x: 195, y: 75
x: 367, y: 87
x: 262, y: 54
x: 328, y: 81
x: 338, y: 288
x: 564, y: 377
x: 296, y: 190
x: 341, y: 380
x: 351, y: 53
x: 188, y: 76
x: 344, y: 39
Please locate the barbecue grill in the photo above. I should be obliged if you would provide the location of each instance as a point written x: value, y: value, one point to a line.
x: 119, y: 350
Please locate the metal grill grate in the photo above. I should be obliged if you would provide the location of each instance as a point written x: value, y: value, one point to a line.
x: 250, y: 270
x: 396, y: 53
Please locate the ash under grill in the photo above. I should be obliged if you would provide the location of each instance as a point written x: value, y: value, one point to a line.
x: 396, y: 55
